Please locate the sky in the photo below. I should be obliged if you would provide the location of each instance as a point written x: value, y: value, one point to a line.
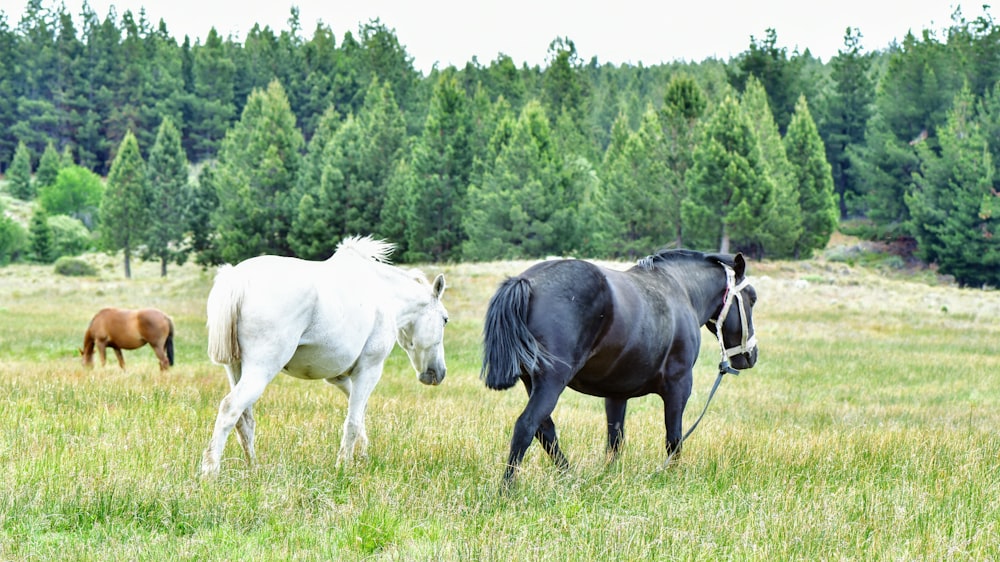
x: 452, y: 32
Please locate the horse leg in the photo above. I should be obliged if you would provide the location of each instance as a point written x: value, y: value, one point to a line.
x: 361, y: 387
x: 232, y: 410
x: 546, y: 435
x: 121, y: 359
x: 614, y: 408
x: 245, y: 424
x: 542, y: 400
x: 101, y: 345
x: 674, y: 401
x: 161, y: 355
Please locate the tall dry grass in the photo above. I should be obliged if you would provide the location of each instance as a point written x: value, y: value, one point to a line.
x: 867, y: 430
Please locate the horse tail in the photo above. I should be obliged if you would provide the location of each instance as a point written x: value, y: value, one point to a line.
x: 224, y: 303
x: 169, y: 344
x: 509, y: 347
x: 87, y: 352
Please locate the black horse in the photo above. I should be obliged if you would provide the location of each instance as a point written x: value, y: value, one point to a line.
x: 614, y: 334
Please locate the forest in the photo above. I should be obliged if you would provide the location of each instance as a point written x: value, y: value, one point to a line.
x: 117, y: 136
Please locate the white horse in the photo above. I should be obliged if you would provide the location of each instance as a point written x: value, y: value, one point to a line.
x: 334, y: 320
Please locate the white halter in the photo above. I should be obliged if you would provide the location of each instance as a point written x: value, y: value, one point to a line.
x: 748, y: 342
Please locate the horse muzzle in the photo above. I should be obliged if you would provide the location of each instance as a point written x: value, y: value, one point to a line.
x: 432, y: 377
x: 744, y: 360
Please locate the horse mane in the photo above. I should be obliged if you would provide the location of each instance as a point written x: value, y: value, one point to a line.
x: 670, y: 255
x: 367, y: 247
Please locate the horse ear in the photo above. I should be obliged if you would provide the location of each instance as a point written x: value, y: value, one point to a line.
x: 439, y: 286
x: 740, y: 265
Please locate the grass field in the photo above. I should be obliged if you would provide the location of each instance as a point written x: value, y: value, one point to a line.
x: 868, y: 430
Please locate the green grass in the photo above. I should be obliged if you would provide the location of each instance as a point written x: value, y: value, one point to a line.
x: 868, y: 430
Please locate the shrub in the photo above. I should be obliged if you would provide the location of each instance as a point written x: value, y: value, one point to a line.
x: 70, y: 236
x: 13, y: 240
x: 74, y: 267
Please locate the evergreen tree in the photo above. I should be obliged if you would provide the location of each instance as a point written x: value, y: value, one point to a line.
x: 778, y: 74
x: 34, y: 77
x: 71, y: 90
x: 947, y: 196
x: 780, y: 226
x: 164, y: 95
x: 729, y: 186
x: 813, y: 180
x: 42, y: 248
x: 638, y: 188
x: 103, y: 69
x: 8, y: 84
x: 169, y: 200
x: 440, y: 176
x: 204, y: 202
x: 848, y: 109
x: 525, y: 208
x: 258, y: 164
x: 385, y: 59
x: 212, y: 107
x: 318, y: 223
x: 66, y: 158
x: 912, y: 99
x: 684, y: 105
x: 19, y: 174
x: 382, y: 141
x: 124, y: 208
x: 48, y: 167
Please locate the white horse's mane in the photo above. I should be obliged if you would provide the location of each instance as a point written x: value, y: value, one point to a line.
x: 368, y: 247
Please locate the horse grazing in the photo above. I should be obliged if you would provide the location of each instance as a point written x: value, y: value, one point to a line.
x: 120, y: 329
x: 335, y: 320
x: 613, y: 334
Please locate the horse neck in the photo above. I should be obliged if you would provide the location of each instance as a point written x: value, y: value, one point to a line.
x: 401, y: 294
x: 706, y: 286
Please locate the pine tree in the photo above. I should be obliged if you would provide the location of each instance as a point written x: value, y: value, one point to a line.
x: 125, y: 206
x: 48, y: 167
x: 946, y: 200
x: 440, y: 176
x: 729, y: 186
x: 212, y: 106
x: 170, y: 198
x: 42, y: 247
x: 781, y: 225
x: 382, y: 140
x: 318, y: 224
x: 638, y: 188
x: 525, y: 207
x: 258, y: 163
x: 848, y: 108
x: 684, y: 106
x: 813, y: 179
x: 19, y: 174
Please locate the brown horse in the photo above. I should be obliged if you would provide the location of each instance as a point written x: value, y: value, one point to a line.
x: 120, y: 329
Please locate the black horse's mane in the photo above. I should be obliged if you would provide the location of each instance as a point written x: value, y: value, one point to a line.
x: 672, y: 254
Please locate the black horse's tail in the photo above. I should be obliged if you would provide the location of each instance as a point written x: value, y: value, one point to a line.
x: 509, y: 348
x: 169, y: 344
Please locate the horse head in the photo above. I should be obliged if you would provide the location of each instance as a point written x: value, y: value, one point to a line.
x: 736, y: 332
x: 421, y: 335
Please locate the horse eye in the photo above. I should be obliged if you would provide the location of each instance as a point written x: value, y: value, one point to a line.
x: 445, y: 319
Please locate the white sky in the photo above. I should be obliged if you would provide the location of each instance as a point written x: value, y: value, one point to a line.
x: 616, y: 31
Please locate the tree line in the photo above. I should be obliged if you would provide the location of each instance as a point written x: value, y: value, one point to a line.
x: 295, y: 142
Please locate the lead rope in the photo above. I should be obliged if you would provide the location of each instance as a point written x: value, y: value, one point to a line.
x: 724, y: 366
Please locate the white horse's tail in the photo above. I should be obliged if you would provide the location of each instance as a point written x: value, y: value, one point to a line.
x: 224, y: 303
